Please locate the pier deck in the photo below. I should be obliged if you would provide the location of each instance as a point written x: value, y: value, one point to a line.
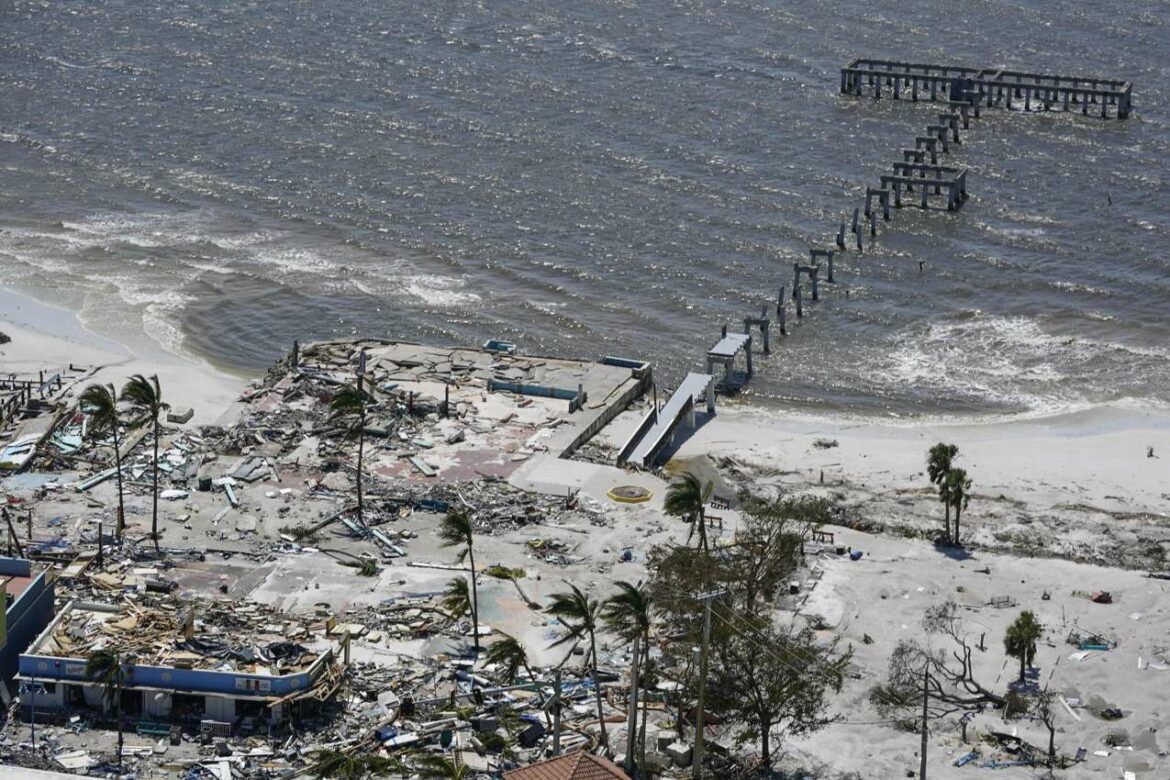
x: 680, y: 406
x: 991, y: 87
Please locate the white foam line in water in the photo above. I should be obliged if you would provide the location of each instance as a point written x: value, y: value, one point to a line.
x: 439, y: 290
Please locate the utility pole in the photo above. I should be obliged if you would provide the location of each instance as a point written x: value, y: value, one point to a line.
x: 12, y: 537
x: 556, y: 705
x: 925, y: 701
x: 632, y: 720
x: 697, y: 762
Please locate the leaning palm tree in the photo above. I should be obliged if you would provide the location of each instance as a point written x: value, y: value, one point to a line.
x: 456, y: 529
x: 100, y: 402
x: 1020, y: 640
x: 147, y: 395
x: 349, y: 407
x: 108, y: 670
x: 687, y: 499
x: 508, y: 654
x: 629, y: 613
x: 511, y: 656
x: 579, y: 614
x: 939, y: 461
x: 957, y: 485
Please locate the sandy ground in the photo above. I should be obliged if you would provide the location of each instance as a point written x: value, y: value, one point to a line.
x: 884, y: 596
x: 1078, y: 485
x: 44, y: 337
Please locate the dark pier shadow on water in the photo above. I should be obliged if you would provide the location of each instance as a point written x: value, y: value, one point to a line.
x: 684, y: 432
x: 731, y: 385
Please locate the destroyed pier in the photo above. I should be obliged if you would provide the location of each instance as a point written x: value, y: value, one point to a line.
x: 990, y: 87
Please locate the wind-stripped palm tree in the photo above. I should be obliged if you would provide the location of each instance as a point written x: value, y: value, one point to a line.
x: 108, y: 670
x: 510, y: 656
x: 100, y: 402
x: 579, y: 614
x: 147, y: 395
x: 349, y: 407
x: 456, y: 529
x: 957, y: 487
x: 939, y: 461
x: 687, y: 498
x: 456, y: 600
x: 629, y: 613
x: 351, y: 765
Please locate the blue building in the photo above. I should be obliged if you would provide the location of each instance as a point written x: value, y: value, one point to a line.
x: 183, y: 670
x: 28, y: 594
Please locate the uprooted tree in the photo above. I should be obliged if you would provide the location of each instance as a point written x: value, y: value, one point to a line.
x: 946, y: 674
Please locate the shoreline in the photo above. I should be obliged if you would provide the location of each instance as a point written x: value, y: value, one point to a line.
x: 1107, y: 444
x: 1094, y: 457
x: 46, y: 336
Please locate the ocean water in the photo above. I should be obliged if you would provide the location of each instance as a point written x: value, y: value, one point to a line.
x: 590, y: 178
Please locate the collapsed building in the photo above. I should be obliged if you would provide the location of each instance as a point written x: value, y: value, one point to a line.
x: 210, y: 667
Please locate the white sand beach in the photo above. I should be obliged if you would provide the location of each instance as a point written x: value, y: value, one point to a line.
x: 1080, y: 484
x: 48, y: 338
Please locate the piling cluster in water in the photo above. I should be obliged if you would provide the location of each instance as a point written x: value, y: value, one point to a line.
x: 964, y: 91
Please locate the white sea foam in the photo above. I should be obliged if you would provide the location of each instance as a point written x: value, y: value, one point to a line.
x: 158, y: 300
x: 1013, y: 361
x: 1007, y: 360
x: 439, y: 290
x: 294, y: 260
x: 34, y: 251
x: 147, y: 230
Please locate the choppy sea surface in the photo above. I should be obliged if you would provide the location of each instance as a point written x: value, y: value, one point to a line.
x: 592, y: 178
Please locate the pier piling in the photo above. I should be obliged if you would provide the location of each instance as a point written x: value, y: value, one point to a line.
x: 828, y: 255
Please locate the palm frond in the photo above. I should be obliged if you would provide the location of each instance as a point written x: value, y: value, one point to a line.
x: 146, y: 393
x: 348, y: 400
x: 101, y: 404
x: 107, y: 669
x: 456, y: 528
x: 576, y: 611
x: 628, y: 612
x: 508, y: 653
x: 457, y: 598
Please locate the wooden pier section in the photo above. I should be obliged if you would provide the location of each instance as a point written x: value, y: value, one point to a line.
x: 990, y: 87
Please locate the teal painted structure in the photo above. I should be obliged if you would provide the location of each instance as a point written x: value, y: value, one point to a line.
x: 28, y: 614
